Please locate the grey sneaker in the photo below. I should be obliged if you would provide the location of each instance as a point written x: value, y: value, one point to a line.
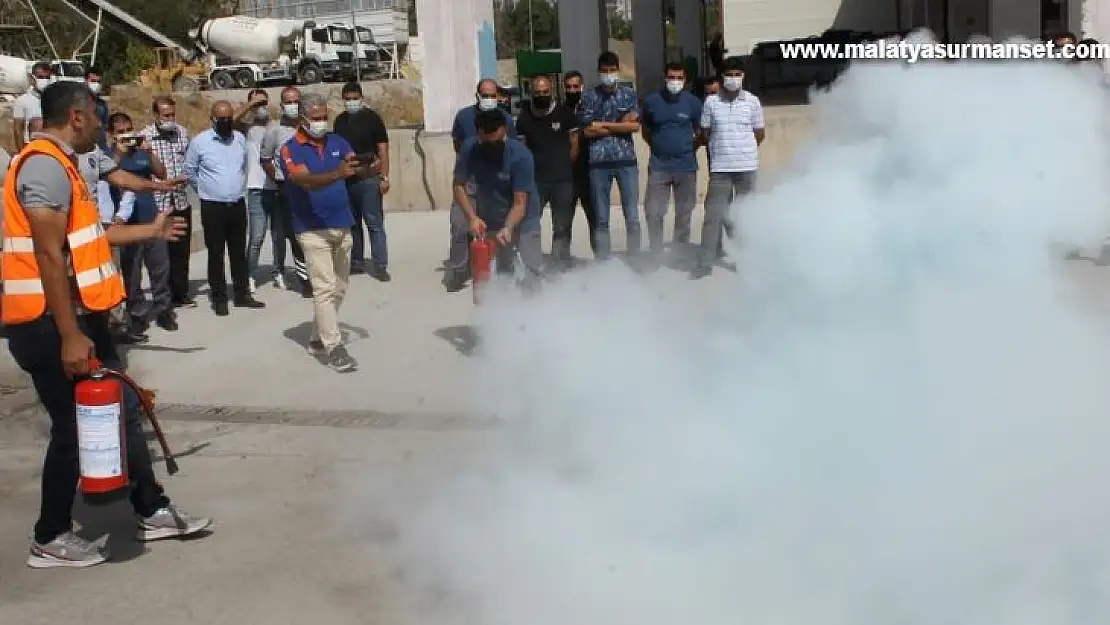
x: 339, y: 360
x: 316, y: 348
x: 66, y: 551
x: 171, y: 522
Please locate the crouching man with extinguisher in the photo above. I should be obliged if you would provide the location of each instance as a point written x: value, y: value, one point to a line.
x: 59, y: 285
x: 506, y: 205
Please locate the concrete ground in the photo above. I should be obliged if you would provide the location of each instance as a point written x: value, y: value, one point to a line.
x: 269, y: 438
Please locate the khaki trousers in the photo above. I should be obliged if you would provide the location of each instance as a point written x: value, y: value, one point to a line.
x: 327, y: 254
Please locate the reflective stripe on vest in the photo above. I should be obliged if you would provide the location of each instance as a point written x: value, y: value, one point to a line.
x: 99, y: 285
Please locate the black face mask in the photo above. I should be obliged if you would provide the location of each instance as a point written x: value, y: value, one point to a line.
x: 222, y: 126
x: 573, y: 99
x: 492, y: 150
x: 542, y: 102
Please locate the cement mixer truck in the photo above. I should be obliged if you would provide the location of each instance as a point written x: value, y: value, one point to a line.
x: 243, y: 52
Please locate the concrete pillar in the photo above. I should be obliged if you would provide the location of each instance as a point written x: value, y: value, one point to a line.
x: 650, y: 43
x: 583, y: 34
x: 457, y: 38
x: 689, y: 31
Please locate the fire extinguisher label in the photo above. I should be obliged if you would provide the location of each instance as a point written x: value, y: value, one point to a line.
x: 98, y: 435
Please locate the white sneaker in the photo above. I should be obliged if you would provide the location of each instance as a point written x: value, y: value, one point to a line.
x: 279, y: 281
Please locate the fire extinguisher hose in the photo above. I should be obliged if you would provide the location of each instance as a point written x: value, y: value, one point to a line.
x: 146, y: 400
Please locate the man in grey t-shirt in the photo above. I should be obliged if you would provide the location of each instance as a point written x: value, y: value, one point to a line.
x: 277, y: 134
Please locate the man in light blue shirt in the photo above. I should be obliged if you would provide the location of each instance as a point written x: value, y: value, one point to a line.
x: 216, y: 167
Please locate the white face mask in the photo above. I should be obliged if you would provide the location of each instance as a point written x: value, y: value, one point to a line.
x: 262, y: 113
x: 94, y: 87
x: 317, y: 128
x: 487, y: 104
x: 167, y: 126
x: 291, y: 110
x: 352, y: 106
x: 733, y: 83
x: 42, y: 83
x: 675, y: 86
x: 609, y: 79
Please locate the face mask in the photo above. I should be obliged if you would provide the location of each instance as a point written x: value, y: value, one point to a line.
x: 291, y: 109
x: 262, y: 112
x: 487, y: 104
x: 493, y: 150
x: 675, y: 86
x: 542, y: 102
x: 94, y: 87
x: 317, y: 129
x: 572, y: 99
x: 167, y: 127
x: 222, y: 126
x: 353, y: 106
x: 733, y: 83
x: 609, y: 79
x: 42, y: 83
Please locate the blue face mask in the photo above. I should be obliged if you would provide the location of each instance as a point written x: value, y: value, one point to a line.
x: 609, y: 80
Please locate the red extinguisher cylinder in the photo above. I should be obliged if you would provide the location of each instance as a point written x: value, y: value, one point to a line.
x: 101, y: 436
x: 482, y: 254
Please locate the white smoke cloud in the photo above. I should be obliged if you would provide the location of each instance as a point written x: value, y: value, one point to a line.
x: 895, y: 413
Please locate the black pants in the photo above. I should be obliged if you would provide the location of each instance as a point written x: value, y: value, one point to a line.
x: 560, y: 195
x: 225, y: 230
x: 37, y: 348
x: 583, y: 195
x: 285, y: 216
x: 179, y: 252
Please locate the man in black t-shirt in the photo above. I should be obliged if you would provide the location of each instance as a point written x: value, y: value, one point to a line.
x: 549, y: 129
x: 365, y: 131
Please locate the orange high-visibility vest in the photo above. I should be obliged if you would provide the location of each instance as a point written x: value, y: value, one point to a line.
x: 99, y: 284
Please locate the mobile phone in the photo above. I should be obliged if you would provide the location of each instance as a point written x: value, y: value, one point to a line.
x: 366, y: 158
x: 130, y: 140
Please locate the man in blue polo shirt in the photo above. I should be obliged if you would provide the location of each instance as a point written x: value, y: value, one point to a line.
x: 506, y: 204
x: 466, y: 127
x: 671, y: 122
x: 316, y: 165
x: 610, y: 117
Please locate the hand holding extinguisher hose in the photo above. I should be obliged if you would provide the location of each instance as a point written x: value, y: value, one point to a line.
x: 146, y: 400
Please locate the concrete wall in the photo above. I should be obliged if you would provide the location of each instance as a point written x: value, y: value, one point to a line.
x: 451, y: 34
x: 749, y: 22
x: 787, y: 128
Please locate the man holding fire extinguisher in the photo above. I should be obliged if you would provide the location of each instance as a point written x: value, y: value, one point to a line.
x: 59, y: 284
x: 506, y: 204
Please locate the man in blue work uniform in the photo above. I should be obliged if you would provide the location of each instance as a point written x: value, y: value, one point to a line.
x: 466, y: 127
x: 671, y: 123
x: 610, y: 117
x: 505, y: 205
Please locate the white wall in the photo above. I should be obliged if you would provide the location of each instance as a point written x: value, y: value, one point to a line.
x: 748, y: 22
x: 449, y: 37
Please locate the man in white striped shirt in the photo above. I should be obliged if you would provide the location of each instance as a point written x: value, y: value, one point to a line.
x: 732, y: 122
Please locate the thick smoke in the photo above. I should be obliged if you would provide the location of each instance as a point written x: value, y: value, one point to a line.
x: 894, y: 414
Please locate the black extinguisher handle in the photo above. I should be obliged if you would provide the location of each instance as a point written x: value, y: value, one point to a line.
x: 146, y: 401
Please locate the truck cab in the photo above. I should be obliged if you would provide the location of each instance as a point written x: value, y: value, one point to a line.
x: 332, y: 46
x: 69, y: 70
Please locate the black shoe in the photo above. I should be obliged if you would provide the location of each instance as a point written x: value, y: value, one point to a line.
x: 132, y: 336
x: 339, y: 360
x: 380, y: 274
x: 187, y: 302
x: 454, y: 281
x: 700, y: 272
x: 220, y: 308
x: 306, y: 289
x: 248, y: 302
x: 358, y: 267
x: 167, y: 321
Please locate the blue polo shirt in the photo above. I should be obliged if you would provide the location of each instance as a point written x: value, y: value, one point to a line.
x: 141, y: 164
x: 319, y: 209
x: 496, y: 182
x: 601, y: 105
x: 466, y: 123
x: 671, y: 121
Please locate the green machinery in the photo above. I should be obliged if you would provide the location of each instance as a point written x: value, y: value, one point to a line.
x: 533, y: 63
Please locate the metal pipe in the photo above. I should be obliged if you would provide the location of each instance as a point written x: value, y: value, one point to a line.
x: 45, y: 34
x: 96, y: 39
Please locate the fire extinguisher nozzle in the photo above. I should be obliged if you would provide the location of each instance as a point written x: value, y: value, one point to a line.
x: 171, y: 465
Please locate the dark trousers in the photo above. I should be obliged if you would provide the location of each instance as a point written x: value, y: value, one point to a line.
x: 155, y: 257
x: 366, y: 204
x: 560, y: 195
x: 37, y: 348
x: 179, y: 252
x: 583, y: 195
x: 282, y: 215
x: 225, y: 232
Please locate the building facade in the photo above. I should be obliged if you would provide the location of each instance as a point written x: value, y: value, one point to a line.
x: 388, y: 20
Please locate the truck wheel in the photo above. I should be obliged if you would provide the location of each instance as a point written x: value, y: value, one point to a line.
x: 309, y: 74
x: 244, y: 78
x: 222, y: 80
x: 185, y: 84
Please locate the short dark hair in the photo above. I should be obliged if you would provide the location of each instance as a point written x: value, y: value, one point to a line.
x: 713, y: 79
x: 490, y: 121
x: 732, y: 64
x: 675, y: 66
x: 41, y: 65
x: 117, y: 118
x: 572, y: 74
x: 93, y: 70
x: 1061, y: 34
x: 60, y: 99
x: 256, y: 91
x: 159, y: 101
x: 608, y: 58
x: 352, y: 87
x: 483, y: 81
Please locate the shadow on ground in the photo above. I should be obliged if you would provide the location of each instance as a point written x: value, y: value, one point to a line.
x: 463, y: 338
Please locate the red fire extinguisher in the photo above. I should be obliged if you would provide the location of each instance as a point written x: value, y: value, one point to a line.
x: 483, y: 263
x: 101, y: 429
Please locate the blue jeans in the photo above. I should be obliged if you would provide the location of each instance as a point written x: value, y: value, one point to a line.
x: 601, y: 186
x: 260, y: 209
x: 366, y: 204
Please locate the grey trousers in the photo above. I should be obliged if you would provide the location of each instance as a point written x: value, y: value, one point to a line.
x: 657, y: 196
x: 155, y: 256
x: 725, y: 188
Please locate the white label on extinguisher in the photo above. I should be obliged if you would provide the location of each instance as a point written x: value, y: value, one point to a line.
x: 98, y: 436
